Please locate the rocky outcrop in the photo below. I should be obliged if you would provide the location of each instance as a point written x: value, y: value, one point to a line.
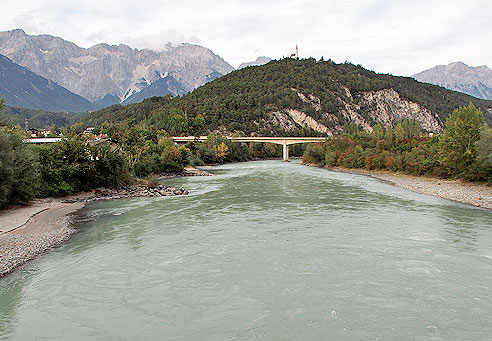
x: 290, y: 119
x: 101, y: 70
x: 386, y: 106
x: 365, y: 109
x: 474, y: 81
x: 307, y: 121
x: 309, y: 99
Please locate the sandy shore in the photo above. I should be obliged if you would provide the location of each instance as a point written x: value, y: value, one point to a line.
x: 29, y: 230
x: 475, y: 194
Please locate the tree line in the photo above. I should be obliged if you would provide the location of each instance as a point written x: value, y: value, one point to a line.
x: 463, y: 150
x: 240, y: 102
x: 131, y: 154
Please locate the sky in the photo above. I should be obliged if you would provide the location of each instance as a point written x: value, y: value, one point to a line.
x: 390, y: 36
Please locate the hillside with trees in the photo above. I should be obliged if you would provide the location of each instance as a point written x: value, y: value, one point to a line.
x: 283, y: 97
x: 39, y: 119
x: 464, y: 150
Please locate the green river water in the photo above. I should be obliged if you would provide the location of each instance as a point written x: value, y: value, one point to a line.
x: 262, y: 250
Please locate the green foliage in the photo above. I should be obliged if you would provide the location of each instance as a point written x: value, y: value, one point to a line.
x: 110, y: 166
x: 65, y: 167
x: 240, y: 101
x: 40, y: 119
x: 483, y: 163
x: 377, y: 132
x: 27, y: 177
x: 138, y: 111
x: 464, y: 149
x: 6, y: 168
x: 19, y: 169
x: 400, y: 133
x: 458, y: 142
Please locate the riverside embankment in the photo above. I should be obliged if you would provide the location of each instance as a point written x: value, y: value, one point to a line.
x: 476, y: 194
x: 29, y: 230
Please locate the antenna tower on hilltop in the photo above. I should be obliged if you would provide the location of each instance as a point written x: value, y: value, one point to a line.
x: 295, y: 55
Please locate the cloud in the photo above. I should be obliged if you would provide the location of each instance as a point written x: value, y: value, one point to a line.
x: 159, y: 41
x: 399, y: 37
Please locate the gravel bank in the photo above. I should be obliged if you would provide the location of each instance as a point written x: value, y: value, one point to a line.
x: 30, y: 230
x: 17, y: 249
x: 475, y: 194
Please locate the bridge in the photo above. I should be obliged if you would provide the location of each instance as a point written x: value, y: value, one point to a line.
x: 284, y: 141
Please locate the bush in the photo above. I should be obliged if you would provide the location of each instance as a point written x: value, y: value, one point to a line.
x: 151, y: 181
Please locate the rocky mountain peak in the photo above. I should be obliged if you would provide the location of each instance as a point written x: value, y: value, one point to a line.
x: 115, y: 70
x: 259, y: 61
x: 475, y: 81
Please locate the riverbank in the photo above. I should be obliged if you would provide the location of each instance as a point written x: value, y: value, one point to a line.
x: 27, y: 231
x: 476, y: 194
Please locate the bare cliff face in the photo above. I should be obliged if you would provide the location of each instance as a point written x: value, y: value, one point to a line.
x: 102, y: 69
x: 474, y: 81
x: 384, y: 106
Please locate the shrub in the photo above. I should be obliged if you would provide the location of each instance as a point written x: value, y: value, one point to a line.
x: 151, y: 181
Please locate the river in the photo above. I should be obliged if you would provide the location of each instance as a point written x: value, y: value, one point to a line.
x: 267, y: 250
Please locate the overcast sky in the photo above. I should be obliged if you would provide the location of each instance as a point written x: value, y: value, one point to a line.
x: 391, y: 36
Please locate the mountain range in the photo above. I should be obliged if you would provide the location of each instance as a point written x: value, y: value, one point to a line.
x: 475, y: 81
x: 22, y: 88
x: 49, y: 73
x: 107, y: 74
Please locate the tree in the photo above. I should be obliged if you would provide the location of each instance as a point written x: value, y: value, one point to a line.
x: 388, y: 135
x: 6, y: 168
x: 377, y: 132
x: 458, y: 142
x: 221, y: 151
x: 483, y: 165
x: 399, y: 132
x: 54, y: 129
x: 19, y: 169
x: 66, y: 167
x: 27, y: 177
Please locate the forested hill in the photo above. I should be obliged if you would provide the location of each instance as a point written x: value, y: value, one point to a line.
x: 296, y: 97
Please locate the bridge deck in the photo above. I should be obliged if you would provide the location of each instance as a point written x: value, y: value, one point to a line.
x: 284, y: 141
x: 277, y: 140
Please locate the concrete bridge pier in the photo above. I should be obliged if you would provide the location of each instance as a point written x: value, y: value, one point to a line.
x: 285, y: 153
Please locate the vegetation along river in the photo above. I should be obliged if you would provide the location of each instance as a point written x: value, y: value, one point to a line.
x: 267, y: 250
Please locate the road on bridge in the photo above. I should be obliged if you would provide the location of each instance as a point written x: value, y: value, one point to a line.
x: 284, y: 141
